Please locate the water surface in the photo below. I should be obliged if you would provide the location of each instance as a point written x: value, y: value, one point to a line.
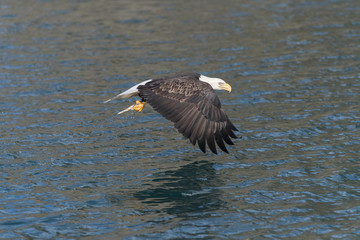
x: 71, y: 169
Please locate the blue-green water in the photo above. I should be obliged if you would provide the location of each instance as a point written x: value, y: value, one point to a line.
x: 71, y: 169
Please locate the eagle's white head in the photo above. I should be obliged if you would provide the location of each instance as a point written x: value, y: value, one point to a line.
x: 216, y: 83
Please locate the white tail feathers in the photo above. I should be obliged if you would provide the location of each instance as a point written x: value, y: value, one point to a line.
x: 133, y: 91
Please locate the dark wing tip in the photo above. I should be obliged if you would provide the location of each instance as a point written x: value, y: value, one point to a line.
x: 219, y: 140
x: 202, y: 144
x: 232, y: 126
x: 211, y: 141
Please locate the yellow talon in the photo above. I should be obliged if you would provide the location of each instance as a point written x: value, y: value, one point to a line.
x: 139, y: 106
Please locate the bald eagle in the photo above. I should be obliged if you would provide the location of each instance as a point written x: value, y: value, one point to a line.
x: 190, y: 102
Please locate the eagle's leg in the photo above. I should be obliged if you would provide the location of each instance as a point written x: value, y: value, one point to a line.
x: 139, y: 106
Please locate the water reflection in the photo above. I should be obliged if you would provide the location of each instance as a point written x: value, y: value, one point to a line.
x: 70, y: 169
x: 193, y: 188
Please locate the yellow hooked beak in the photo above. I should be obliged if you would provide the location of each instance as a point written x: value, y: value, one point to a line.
x: 226, y: 87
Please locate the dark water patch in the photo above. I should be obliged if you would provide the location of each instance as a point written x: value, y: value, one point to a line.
x: 71, y: 168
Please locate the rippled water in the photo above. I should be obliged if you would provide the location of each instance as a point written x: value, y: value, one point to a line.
x: 71, y: 168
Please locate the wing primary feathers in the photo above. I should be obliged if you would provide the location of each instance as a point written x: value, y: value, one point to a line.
x: 184, y: 122
x: 232, y: 125
x: 202, y: 145
x: 219, y: 139
x: 189, y: 127
x: 210, y: 138
x: 229, y: 129
x: 201, y: 135
x: 226, y: 136
x: 198, y: 128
